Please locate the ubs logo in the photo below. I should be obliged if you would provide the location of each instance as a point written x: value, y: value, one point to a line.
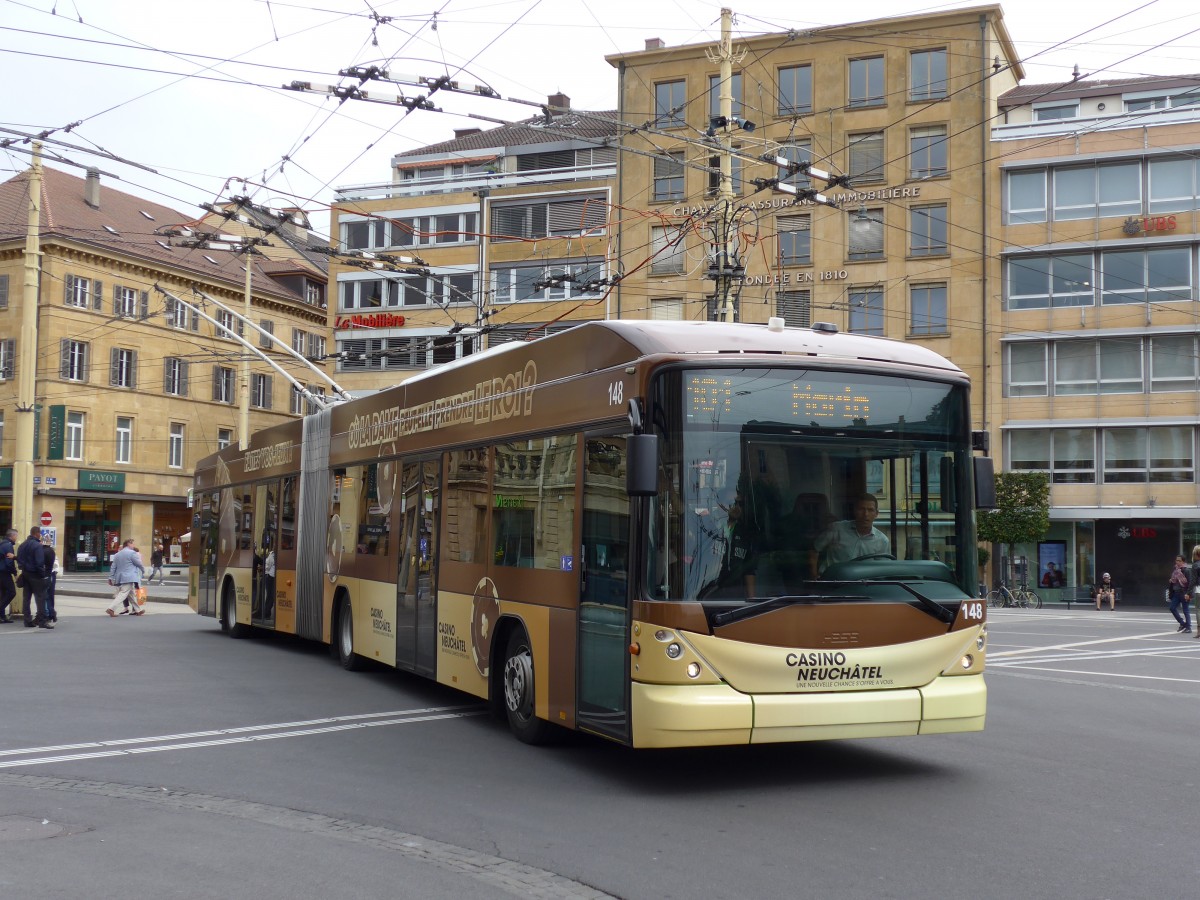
x: 1125, y: 532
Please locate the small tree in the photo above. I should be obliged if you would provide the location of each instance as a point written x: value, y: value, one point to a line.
x: 1022, y: 512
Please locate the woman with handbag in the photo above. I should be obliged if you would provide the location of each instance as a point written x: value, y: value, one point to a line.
x: 1177, y: 588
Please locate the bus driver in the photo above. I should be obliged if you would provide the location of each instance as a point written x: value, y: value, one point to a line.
x: 851, y: 538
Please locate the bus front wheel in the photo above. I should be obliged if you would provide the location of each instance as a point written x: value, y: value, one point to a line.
x: 518, y: 691
x: 343, y: 638
x: 229, y: 622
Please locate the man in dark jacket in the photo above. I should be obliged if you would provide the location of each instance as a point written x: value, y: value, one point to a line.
x: 32, y: 560
x: 8, y: 571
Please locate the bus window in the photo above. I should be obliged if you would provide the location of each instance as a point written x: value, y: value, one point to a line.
x: 533, y: 505
x: 287, y: 519
x: 466, y: 505
x: 375, y: 507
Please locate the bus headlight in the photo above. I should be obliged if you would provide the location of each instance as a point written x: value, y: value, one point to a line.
x: 693, y: 670
x: 674, y: 651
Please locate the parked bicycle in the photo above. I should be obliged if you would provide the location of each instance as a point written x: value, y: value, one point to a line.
x: 1013, y: 597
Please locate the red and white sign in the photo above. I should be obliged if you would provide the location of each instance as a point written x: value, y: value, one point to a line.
x: 370, y: 320
x: 47, y: 519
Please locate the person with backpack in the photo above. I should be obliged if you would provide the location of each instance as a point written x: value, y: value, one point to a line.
x: 1177, y: 588
x: 1194, y: 581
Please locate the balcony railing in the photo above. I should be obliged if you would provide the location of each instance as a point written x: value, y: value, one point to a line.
x: 473, y: 181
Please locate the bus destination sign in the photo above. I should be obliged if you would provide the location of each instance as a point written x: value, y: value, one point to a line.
x: 714, y: 396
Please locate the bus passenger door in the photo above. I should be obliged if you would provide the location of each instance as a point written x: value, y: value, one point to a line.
x: 266, y: 547
x: 416, y: 578
x: 205, y: 539
x: 603, y: 677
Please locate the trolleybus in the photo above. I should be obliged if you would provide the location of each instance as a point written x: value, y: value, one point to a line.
x: 664, y: 533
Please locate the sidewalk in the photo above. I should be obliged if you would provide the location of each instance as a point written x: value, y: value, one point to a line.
x: 94, y: 585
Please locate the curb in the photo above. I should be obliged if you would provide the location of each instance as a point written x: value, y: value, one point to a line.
x: 107, y: 595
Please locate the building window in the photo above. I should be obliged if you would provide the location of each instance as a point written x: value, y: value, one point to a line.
x: 669, y: 176
x: 866, y: 157
x: 927, y: 151
x: 667, y: 308
x: 795, y: 90
x: 457, y: 288
x: 175, y: 376
x: 440, y: 229
x: 225, y: 320
x: 1026, y: 197
x: 928, y: 305
x: 794, y: 307
x: 714, y: 94
x: 316, y: 348
x: 298, y: 341
x: 795, y: 240
x: 927, y: 75
x: 73, y: 360
x: 407, y: 353
x: 866, y: 234
x: 866, y: 311
x: 1154, y: 455
x: 224, y: 438
x: 1110, y: 366
x: 313, y: 294
x: 1146, y: 276
x: 667, y: 252
x: 1173, y: 363
x: 298, y: 401
x: 264, y: 340
x: 1026, y: 373
x: 571, y: 216
x: 260, y: 391
x: 73, y: 448
x: 128, y: 305
x: 1085, y: 192
x: 866, y: 82
x: 1172, y: 184
x: 928, y: 230
x: 669, y: 104
x: 797, y: 152
x: 8, y: 359
x: 714, y: 174
x: 1039, y: 282
x: 124, y: 448
x: 224, y: 386
x: 83, y: 293
x: 560, y: 281
x: 366, y: 235
x: 1048, y: 112
x: 1068, y: 454
x: 122, y: 368
x: 178, y: 315
x: 175, y: 447
x: 371, y: 293
x: 312, y: 406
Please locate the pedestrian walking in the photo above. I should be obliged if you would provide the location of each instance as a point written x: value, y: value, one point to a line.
x: 8, y: 572
x: 31, y: 557
x: 1177, y: 587
x: 156, y: 563
x: 51, y: 559
x: 125, y: 574
x: 1194, y: 583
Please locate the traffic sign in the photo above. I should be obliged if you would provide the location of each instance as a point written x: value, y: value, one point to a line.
x: 47, y: 519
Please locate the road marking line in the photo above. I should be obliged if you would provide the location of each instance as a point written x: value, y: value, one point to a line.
x: 1133, y: 637
x: 1106, y: 674
x: 243, y: 739
x: 244, y: 729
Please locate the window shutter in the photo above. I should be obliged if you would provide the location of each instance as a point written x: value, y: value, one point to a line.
x: 183, y: 378
x: 509, y: 222
x: 266, y: 392
x: 86, y: 354
x: 133, y: 368
x: 64, y: 358
x: 3, y: 292
x: 169, y: 312
x: 269, y: 327
x: 167, y: 375
x: 216, y: 383
x: 565, y: 217
x: 98, y: 296
x: 145, y: 304
x: 114, y: 366
x: 68, y: 289
x: 117, y: 300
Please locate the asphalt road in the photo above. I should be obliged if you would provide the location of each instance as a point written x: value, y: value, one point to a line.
x: 153, y: 756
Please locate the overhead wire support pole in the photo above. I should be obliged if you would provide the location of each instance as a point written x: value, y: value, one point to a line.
x: 22, y: 474
x: 725, y: 267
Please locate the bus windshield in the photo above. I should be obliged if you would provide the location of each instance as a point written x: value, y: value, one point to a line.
x: 779, y: 482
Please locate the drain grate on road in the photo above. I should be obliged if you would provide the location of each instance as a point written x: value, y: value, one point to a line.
x: 26, y: 828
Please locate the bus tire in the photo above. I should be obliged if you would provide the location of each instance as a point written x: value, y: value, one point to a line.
x: 343, y: 637
x: 229, y: 622
x: 517, y: 682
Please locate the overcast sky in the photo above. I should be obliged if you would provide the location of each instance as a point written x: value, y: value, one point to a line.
x: 192, y: 89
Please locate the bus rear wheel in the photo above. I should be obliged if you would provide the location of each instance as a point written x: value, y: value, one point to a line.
x: 517, y: 679
x: 343, y: 638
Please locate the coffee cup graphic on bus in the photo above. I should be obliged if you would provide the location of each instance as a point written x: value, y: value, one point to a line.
x: 485, y: 610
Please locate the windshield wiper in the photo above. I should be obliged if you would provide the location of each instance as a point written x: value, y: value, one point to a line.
x: 941, y: 612
x: 757, y: 606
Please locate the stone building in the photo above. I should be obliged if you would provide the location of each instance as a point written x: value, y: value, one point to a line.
x: 131, y: 387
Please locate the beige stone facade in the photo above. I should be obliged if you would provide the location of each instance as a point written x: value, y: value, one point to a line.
x: 131, y: 388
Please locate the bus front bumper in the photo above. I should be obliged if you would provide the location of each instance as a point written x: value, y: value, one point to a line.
x: 668, y: 715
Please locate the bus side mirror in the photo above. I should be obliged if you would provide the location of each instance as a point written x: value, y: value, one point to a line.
x: 641, y: 465
x: 985, y: 483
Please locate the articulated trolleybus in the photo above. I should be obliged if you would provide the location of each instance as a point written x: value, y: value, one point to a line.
x: 665, y: 533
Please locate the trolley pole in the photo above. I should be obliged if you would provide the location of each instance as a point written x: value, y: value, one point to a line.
x: 22, y: 485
